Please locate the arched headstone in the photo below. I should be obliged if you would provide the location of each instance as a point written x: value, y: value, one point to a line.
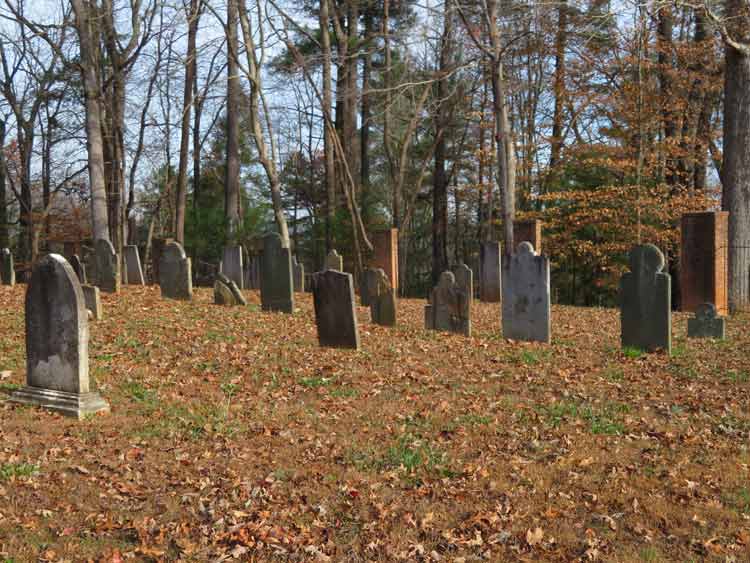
x: 381, y: 297
x: 526, y: 296
x: 449, y: 308
x: 335, y: 315
x: 107, y: 266
x: 334, y: 261
x: 133, y: 269
x: 707, y: 323
x: 79, y: 268
x: 175, y: 276
x: 276, y: 285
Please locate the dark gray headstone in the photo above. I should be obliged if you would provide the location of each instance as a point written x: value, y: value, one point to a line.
x: 175, y: 275
x: 276, y: 287
x: 57, y: 336
x: 707, y: 323
x: 231, y: 265
x: 381, y: 296
x: 252, y: 272
x: 335, y: 316
x: 298, y: 275
x: 490, y: 285
x: 107, y: 267
x: 449, y: 309
x: 93, y: 300
x: 79, y: 268
x: 645, y: 301
x: 334, y: 261
x: 7, y: 269
x: 526, y: 296
x: 226, y: 292
x: 133, y: 269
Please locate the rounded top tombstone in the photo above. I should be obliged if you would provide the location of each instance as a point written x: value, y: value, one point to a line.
x: 525, y: 248
x: 647, y: 257
x: 173, y: 252
x: 706, y: 311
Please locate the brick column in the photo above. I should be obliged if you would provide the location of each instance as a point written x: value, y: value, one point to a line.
x: 703, y: 260
x: 385, y: 254
x: 529, y: 231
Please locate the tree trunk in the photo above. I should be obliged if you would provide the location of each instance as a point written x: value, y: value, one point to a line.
x: 561, y: 41
x: 232, y: 179
x: 4, y: 238
x: 328, y: 148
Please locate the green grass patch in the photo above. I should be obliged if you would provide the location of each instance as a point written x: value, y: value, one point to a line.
x: 9, y: 471
x: 632, y: 352
x: 315, y: 382
x: 735, y: 376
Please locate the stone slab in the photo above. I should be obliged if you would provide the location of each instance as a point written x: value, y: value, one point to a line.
x: 707, y: 323
x: 490, y: 285
x: 335, y: 313
x: 277, y: 286
x: 526, y: 296
x: 175, y: 274
x: 133, y: 269
x: 232, y: 261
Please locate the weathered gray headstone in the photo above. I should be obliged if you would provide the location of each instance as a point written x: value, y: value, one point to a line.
x: 107, y: 267
x: 175, y: 275
x: 79, y: 268
x: 231, y: 265
x: 707, y: 323
x: 645, y: 301
x: 226, y: 292
x: 7, y: 269
x: 252, y: 272
x: 335, y: 315
x: 526, y: 296
x: 276, y: 285
x: 298, y: 275
x: 334, y: 261
x: 133, y: 269
x: 93, y: 300
x: 449, y: 308
x: 57, y: 337
x: 381, y: 296
x: 490, y: 286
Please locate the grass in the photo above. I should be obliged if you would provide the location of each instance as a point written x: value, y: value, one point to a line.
x: 10, y: 471
x: 735, y: 376
x: 601, y: 420
x: 632, y: 353
x: 315, y: 382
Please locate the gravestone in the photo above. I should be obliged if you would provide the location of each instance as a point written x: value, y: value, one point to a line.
x: 707, y: 323
x: 335, y: 316
x: 449, y: 309
x: 528, y: 231
x: 703, y: 260
x: 231, y: 265
x: 645, y: 301
x: 175, y: 275
x: 79, y: 268
x: 381, y: 296
x: 107, y: 267
x: 334, y: 261
x: 252, y: 272
x: 157, y: 247
x: 226, y: 292
x: 276, y: 285
x: 385, y: 256
x: 490, y: 286
x: 7, y: 268
x: 526, y: 296
x: 298, y: 275
x: 92, y: 300
x: 133, y: 270
x: 57, y: 337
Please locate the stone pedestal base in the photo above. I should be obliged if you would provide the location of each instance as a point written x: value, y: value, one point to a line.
x: 69, y: 404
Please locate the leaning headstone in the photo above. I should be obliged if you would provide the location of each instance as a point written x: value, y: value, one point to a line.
x: 93, y: 300
x: 107, y: 267
x: 276, y: 285
x: 231, y: 265
x: 335, y: 315
x: 381, y: 296
x: 707, y: 323
x: 490, y: 285
x: 645, y: 301
x: 334, y: 261
x: 79, y: 268
x: 7, y: 269
x: 57, y: 338
x: 133, y: 266
x: 175, y: 275
x: 298, y: 275
x: 449, y: 309
x: 226, y: 292
x: 526, y: 296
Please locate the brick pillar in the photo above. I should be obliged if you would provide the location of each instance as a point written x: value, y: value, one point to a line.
x: 703, y: 260
x: 385, y: 254
x: 529, y: 231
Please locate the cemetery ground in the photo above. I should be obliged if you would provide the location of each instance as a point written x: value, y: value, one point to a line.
x: 234, y: 436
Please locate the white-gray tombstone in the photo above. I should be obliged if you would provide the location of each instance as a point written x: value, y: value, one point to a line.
x: 7, y: 269
x: 526, y: 296
x: 107, y: 266
x: 232, y: 265
x: 226, y: 292
x: 57, y: 336
x: 707, y: 323
x: 93, y: 301
x: 276, y: 285
x: 175, y: 275
x: 298, y: 275
x: 335, y: 314
x: 646, y: 301
x: 334, y: 261
x: 449, y: 307
x: 381, y: 297
x: 79, y: 268
x: 133, y: 269
x: 490, y: 285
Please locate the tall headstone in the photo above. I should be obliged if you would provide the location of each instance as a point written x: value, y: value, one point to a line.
x: 703, y: 260
x: 334, y: 261
x: 298, y: 275
x: 276, y: 284
x: 57, y: 337
x: 528, y: 231
x: 133, y: 270
x: 490, y: 286
x: 7, y: 268
x: 252, y: 272
x: 107, y: 266
x: 526, y: 296
x: 335, y: 315
x: 385, y: 255
x: 645, y: 301
x: 381, y: 297
x: 232, y: 265
x: 92, y: 300
x: 157, y: 247
x: 79, y: 268
x: 707, y: 323
x: 175, y: 275
x: 226, y: 292
x: 449, y: 307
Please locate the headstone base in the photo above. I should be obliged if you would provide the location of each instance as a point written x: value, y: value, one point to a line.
x: 78, y: 405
